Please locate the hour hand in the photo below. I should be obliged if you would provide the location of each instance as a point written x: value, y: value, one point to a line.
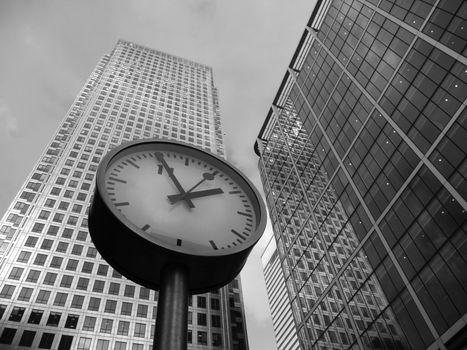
x: 174, y: 198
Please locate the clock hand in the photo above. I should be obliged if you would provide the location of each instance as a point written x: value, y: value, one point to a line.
x: 174, y: 198
x: 206, y: 176
x: 160, y: 158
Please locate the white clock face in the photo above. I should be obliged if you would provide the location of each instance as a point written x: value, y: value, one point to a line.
x: 186, y: 199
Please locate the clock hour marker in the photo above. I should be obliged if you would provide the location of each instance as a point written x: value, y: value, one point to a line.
x: 235, y: 192
x: 121, y: 204
x: 117, y: 179
x: 187, y: 161
x: 133, y: 163
x: 179, y: 242
x: 159, y: 169
x: 213, y: 245
x: 145, y: 227
x: 244, y: 214
x: 237, y: 234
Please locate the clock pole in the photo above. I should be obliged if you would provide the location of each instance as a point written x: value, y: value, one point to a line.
x: 172, y: 310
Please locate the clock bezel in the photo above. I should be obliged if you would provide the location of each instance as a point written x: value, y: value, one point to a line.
x: 176, y: 146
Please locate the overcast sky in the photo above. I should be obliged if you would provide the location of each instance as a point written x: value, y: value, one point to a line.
x: 49, y: 48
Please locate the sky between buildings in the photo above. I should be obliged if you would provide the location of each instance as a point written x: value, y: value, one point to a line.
x: 49, y: 48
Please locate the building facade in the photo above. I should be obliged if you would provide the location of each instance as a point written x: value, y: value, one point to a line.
x: 56, y: 292
x: 281, y: 312
x: 363, y: 162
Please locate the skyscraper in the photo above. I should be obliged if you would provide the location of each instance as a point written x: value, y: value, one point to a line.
x: 363, y: 162
x: 281, y: 312
x: 56, y: 292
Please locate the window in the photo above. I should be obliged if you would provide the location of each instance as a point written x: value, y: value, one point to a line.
x: 63, y: 205
x: 84, y: 344
x: 50, y: 203
x: 89, y: 323
x: 35, y: 317
x: 202, y: 338
x: 58, y: 217
x: 66, y: 281
x: 202, y: 302
x: 71, y: 321
x: 40, y: 259
x: 129, y: 291
x: 56, y: 262
x: 140, y: 330
x: 77, y: 301
x: 123, y: 327
x: 54, y: 319
x: 72, y: 265
x: 120, y: 345
x: 106, y: 325
x: 67, y: 233
x: 24, y: 257
x: 65, y: 342
x: 27, y: 338
x: 16, y: 314
x: 144, y: 293
x: 7, y: 291
x: 201, y: 319
x: 55, y: 191
x: 126, y: 309
x: 216, y: 339
x: 102, y: 270
x: 215, y: 321
x: 7, y: 335
x: 77, y: 249
x: 53, y: 230
x: 92, y: 252
x: 110, y: 306
x: 102, y: 344
x: 25, y: 294
x: 33, y: 276
x: 87, y: 267
x: 38, y: 227
x: 46, y: 244
x: 44, y: 214
x: 82, y: 235
x: 98, y: 286
x: 142, y: 311
x: 62, y: 247
x: 49, y: 278
x: 60, y: 299
x: 16, y: 273
x: 82, y: 283
x: 94, y: 304
x: 114, y: 288
x: 43, y: 296
x: 46, y: 341
x: 31, y: 241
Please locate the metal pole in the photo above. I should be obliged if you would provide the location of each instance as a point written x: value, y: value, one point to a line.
x: 172, y: 310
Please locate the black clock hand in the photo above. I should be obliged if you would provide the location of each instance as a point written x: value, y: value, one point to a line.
x: 160, y: 158
x: 206, y: 176
x: 174, y: 198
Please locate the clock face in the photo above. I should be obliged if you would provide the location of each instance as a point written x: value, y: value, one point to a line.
x: 182, y: 197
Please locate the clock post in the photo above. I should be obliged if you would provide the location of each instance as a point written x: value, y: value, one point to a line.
x: 176, y: 219
x: 172, y: 310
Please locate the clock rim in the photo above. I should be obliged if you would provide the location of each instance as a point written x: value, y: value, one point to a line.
x: 254, y: 196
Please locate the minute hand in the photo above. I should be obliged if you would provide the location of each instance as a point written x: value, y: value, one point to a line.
x: 190, y: 195
x: 170, y: 171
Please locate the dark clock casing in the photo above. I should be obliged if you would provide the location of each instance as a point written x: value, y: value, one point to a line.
x: 141, y: 260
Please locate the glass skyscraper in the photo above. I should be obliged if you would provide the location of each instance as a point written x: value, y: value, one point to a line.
x: 56, y: 292
x: 363, y: 162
